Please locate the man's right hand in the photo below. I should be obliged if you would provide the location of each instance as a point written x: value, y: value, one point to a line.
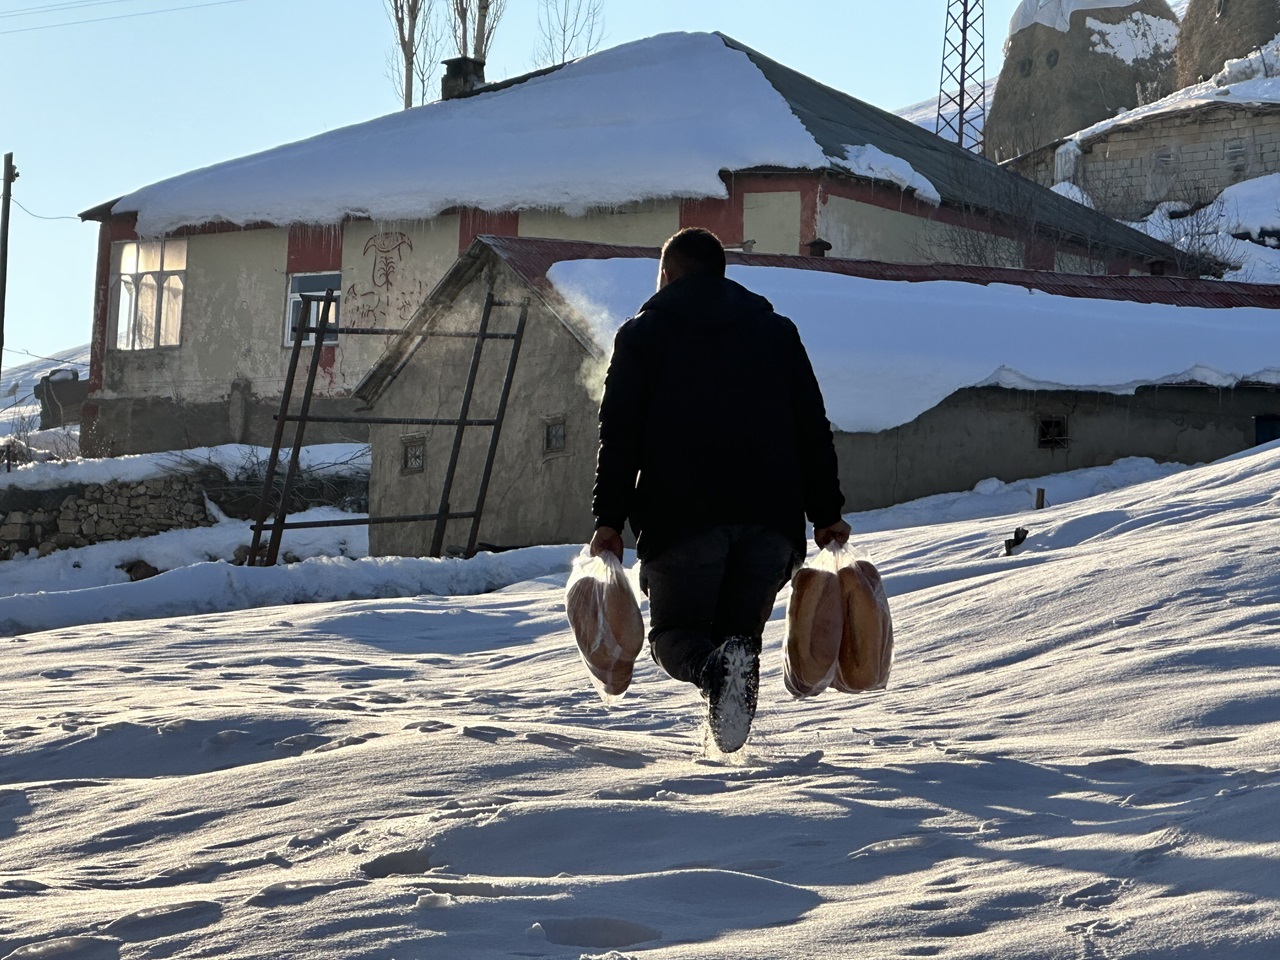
x: 836, y: 533
x: 606, y: 539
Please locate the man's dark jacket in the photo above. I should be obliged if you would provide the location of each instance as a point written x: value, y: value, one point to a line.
x: 712, y: 415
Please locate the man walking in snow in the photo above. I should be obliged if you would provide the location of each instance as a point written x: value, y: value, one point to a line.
x: 715, y: 444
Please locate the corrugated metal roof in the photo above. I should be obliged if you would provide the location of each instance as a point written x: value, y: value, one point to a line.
x: 531, y: 258
x: 836, y: 120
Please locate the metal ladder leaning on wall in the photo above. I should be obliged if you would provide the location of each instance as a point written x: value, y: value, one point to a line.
x: 279, y: 522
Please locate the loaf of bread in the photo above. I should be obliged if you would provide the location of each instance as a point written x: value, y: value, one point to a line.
x: 812, y: 645
x: 866, y: 644
x: 608, y: 628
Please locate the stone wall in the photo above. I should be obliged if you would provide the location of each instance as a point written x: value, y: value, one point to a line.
x: 1187, y: 157
x: 77, y: 516
x: 48, y: 520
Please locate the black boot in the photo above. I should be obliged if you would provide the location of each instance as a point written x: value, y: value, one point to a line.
x: 731, y: 681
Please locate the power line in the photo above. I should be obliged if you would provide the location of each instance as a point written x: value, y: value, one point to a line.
x: 36, y: 356
x: 123, y: 16
x: 59, y: 7
x: 18, y: 203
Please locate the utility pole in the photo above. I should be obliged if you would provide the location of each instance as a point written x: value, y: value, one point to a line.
x: 10, y: 175
x: 962, y: 112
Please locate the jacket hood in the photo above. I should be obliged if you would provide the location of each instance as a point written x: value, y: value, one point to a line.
x: 705, y: 298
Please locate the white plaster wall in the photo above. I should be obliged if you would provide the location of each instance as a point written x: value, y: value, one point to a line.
x: 772, y: 220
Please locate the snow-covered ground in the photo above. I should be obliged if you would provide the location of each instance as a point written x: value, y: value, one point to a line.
x: 1076, y: 757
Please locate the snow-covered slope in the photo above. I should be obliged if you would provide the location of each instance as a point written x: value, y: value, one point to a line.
x: 1075, y: 758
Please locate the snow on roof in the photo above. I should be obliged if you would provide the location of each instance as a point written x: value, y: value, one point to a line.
x: 887, y: 351
x: 1254, y: 79
x: 1252, y: 207
x: 925, y: 113
x: 614, y: 127
x: 1135, y: 38
x: 1056, y: 13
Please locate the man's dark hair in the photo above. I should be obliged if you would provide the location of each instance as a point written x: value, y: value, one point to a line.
x: 693, y: 250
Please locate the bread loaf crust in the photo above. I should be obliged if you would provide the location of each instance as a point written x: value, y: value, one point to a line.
x: 866, y: 645
x: 609, y: 643
x: 813, y: 632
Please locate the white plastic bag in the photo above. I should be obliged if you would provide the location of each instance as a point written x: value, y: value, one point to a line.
x: 839, y: 629
x: 606, y: 621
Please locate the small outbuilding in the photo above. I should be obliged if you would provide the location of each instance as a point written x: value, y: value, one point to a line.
x: 1071, y: 63
x: 936, y: 377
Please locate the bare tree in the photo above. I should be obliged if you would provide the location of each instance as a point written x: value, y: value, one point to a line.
x: 472, y: 23
x: 568, y: 29
x: 419, y: 44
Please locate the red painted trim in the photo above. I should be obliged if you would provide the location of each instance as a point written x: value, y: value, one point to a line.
x: 314, y: 249
x: 721, y: 217
x: 474, y: 223
x: 110, y: 231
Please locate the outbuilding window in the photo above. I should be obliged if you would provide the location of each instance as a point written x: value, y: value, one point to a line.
x: 147, y: 293
x: 553, y: 435
x: 413, y: 454
x: 1051, y: 433
x: 315, y: 285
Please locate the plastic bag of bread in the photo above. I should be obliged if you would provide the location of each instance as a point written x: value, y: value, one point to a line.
x: 815, y: 614
x: 866, y: 640
x: 606, y: 621
x: 839, y: 630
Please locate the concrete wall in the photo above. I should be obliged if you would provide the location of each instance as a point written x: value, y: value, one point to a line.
x: 864, y: 231
x: 533, y: 497
x: 993, y: 432
x: 1184, y: 157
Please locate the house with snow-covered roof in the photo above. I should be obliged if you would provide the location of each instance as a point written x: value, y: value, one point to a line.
x: 935, y: 376
x: 202, y: 278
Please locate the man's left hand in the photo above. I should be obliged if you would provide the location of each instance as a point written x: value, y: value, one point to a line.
x: 606, y: 539
x: 836, y: 533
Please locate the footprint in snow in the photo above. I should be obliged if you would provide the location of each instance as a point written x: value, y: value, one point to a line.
x: 163, y: 921
x: 593, y: 932
x: 429, y: 726
x: 298, y: 891
x: 69, y: 948
x: 1095, y: 895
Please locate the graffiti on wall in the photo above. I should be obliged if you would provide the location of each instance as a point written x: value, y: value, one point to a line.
x: 384, y: 296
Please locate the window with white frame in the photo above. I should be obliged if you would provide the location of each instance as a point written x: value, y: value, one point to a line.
x: 147, y: 293
x: 314, y: 287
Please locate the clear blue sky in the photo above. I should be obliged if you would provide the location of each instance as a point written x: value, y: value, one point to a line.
x: 93, y: 110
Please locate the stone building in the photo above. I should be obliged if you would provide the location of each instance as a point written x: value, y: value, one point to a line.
x: 1185, y: 149
x: 201, y: 278
x: 1070, y: 63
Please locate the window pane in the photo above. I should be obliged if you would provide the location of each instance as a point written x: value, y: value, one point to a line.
x: 149, y: 256
x: 171, y: 312
x: 315, y: 283
x: 175, y: 255
x: 144, y: 328
x: 127, y: 300
x: 128, y: 258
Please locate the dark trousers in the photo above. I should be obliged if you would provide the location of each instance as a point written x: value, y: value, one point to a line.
x: 715, y: 584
